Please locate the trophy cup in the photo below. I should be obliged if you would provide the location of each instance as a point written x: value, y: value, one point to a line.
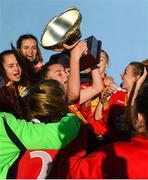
x: 65, y: 29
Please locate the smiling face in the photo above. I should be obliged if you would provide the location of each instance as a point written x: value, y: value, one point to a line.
x: 128, y: 78
x: 103, y: 63
x: 12, y: 68
x: 29, y: 49
x: 57, y: 72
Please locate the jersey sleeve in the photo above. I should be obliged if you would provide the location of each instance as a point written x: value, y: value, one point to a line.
x: 44, y: 136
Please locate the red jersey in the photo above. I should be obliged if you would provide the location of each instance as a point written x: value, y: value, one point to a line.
x: 120, y: 160
x: 88, y: 108
x: 113, y: 115
x: 85, y: 108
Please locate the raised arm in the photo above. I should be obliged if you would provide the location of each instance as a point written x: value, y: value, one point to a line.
x: 73, y: 90
x: 138, y: 85
x: 94, y: 89
x: 103, y: 104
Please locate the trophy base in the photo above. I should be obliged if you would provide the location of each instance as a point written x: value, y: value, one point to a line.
x: 93, y: 53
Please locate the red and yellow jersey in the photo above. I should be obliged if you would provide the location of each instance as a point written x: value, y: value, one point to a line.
x: 74, y: 109
x: 9, y: 99
x: 112, y: 116
x: 88, y: 109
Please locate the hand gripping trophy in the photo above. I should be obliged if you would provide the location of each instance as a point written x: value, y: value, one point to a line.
x: 62, y: 33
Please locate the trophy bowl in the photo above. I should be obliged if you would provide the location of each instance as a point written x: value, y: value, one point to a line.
x: 62, y: 29
x: 65, y: 29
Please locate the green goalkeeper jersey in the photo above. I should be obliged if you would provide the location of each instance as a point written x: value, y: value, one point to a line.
x: 34, y: 136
